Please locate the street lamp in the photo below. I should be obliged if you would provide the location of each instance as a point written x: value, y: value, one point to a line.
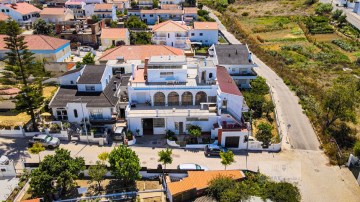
x: 247, y: 142
x: 83, y: 115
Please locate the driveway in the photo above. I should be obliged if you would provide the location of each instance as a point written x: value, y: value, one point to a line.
x: 295, y: 125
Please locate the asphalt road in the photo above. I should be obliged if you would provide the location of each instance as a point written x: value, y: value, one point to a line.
x: 295, y: 125
x: 351, y: 17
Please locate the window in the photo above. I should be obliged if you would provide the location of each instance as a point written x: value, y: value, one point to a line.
x: 224, y: 103
x: 143, y: 15
x: 7, y: 10
x: 200, y: 97
x: 72, y: 82
x: 201, y: 34
x: 211, y: 98
x: 90, y: 88
x: 159, y: 99
x: 151, y: 15
x: 3, y: 170
x: 192, y: 34
x: 210, y: 75
x: 206, y: 41
x: 2, y: 10
x: 159, y: 123
x: 166, y: 74
x: 197, y: 119
x: 173, y: 99
x: 96, y: 113
x: 176, y: 125
x: 75, y: 113
x: 233, y: 69
x: 61, y: 114
x: 187, y: 98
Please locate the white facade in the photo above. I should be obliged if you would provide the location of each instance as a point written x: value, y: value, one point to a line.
x: 19, y: 17
x: 171, y: 93
x: 206, y: 37
x: 78, y: 7
x: 171, y: 1
x: 94, y: 1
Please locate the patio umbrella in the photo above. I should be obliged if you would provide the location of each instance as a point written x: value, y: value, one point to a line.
x: 45, y: 114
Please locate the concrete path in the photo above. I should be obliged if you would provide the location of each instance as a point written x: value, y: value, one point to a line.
x: 295, y: 125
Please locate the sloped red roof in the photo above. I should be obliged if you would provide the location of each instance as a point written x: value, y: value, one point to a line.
x: 38, y: 42
x: 113, y: 33
x: 3, y: 17
x: 169, y: 26
x: 139, y: 52
x: 226, y: 83
x: 23, y: 8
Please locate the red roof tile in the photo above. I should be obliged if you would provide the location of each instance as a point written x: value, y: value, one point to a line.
x: 206, y: 25
x: 168, y: 26
x: 52, y: 11
x: 38, y: 42
x: 226, y: 83
x: 113, y: 33
x: 139, y: 52
x: 23, y: 8
x: 3, y: 17
x: 103, y: 6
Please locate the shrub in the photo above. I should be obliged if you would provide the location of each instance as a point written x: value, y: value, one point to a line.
x: 245, y: 14
x: 310, y: 2
x: 344, y: 45
x: 356, y: 149
x: 323, y: 8
x: 219, y: 185
x: 195, y: 131
x: 264, y: 133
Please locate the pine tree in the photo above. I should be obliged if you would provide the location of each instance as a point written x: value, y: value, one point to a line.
x: 20, y: 63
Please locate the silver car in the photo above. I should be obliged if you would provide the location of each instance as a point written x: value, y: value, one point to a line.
x: 45, y: 140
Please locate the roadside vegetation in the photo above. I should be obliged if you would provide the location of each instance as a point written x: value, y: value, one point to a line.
x: 225, y: 189
x: 315, y: 51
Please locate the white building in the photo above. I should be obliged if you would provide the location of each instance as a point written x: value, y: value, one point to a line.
x: 78, y: 7
x: 55, y: 15
x: 171, y: 1
x: 172, y: 34
x: 179, y: 35
x: 237, y: 59
x: 171, y: 93
x: 145, y: 3
x: 23, y: 13
x: 90, y: 93
x: 103, y: 11
x: 206, y: 33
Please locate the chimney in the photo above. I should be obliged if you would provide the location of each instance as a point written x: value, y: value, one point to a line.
x: 250, y: 57
x: 133, y: 71
x: 146, y: 68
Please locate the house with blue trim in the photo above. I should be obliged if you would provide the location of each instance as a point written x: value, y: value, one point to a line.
x: 44, y: 47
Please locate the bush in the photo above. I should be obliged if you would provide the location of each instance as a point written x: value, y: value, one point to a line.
x: 194, y: 130
x: 245, y: 14
x: 344, y: 45
x: 264, y: 134
x: 218, y: 185
x: 310, y: 2
x: 323, y: 8
x: 356, y: 149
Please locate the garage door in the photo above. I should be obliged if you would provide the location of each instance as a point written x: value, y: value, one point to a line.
x: 232, y: 142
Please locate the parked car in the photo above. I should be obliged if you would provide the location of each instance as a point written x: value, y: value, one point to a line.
x: 119, y: 133
x: 191, y: 166
x: 46, y: 141
x: 214, y: 150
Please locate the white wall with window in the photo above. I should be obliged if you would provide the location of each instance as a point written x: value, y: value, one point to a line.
x: 206, y: 37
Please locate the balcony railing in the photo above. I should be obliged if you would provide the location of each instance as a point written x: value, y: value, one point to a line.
x: 251, y: 73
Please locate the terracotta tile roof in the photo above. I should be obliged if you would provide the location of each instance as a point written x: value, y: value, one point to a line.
x: 169, y: 6
x: 3, y: 17
x: 52, y: 11
x: 74, y: 3
x: 206, y: 25
x: 23, y: 8
x: 139, y: 52
x: 169, y: 26
x: 200, y: 179
x: 139, y: 76
x: 103, y: 6
x: 113, y: 33
x: 161, y: 11
x: 38, y: 42
x: 190, y: 10
x: 226, y: 83
x: 32, y: 200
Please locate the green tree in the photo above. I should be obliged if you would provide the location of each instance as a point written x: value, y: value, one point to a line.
x: 323, y: 9
x: 97, y: 173
x: 194, y: 130
x: 259, y: 86
x: 135, y: 22
x: 264, y: 133
x: 113, y: 24
x: 218, y: 185
x: 341, y: 100
x: 36, y: 148
x: 356, y: 149
x: 95, y: 18
x: 88, y: 59
x: 311, y: 2
x: 155, y: 3
x: 42, y: 27
x: 336, y: 14
x: 41, y: 184
x: 61, y: 167
x: 282, y: 191
x: 235, y: 194
x: 165, y: 156
x: 268, y: 107
x: 19, y: 62
x: 227, y: 158
x: 137, y: 38
x: 2, y: 27
x: 103, y: 156
x: 124, y: 164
